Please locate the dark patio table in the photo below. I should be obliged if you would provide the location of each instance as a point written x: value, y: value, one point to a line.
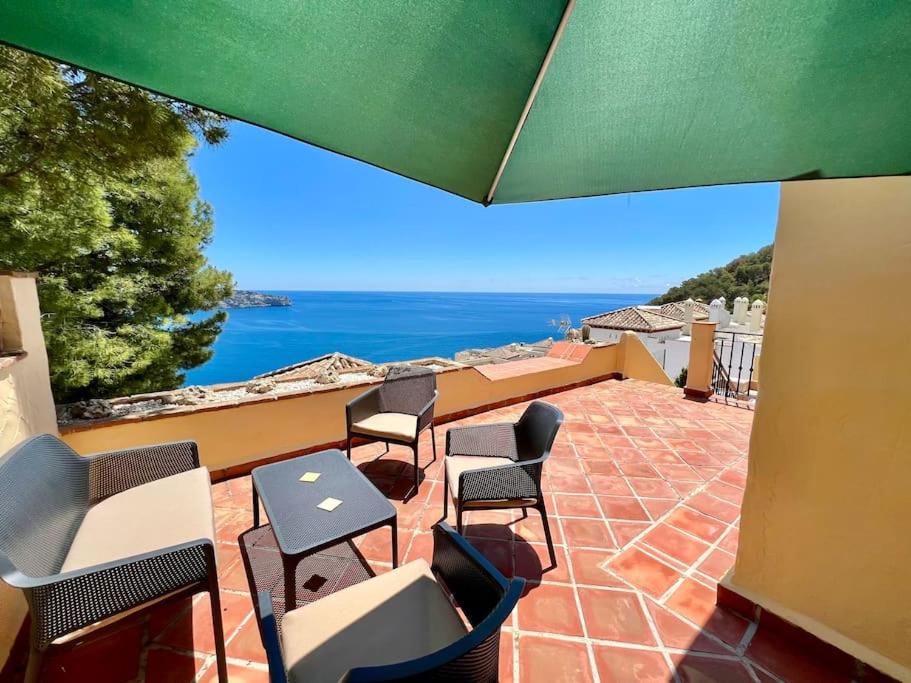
x: 300, y: 527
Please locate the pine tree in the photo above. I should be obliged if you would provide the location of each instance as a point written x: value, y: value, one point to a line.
x: 746, y: 275
x: 97, y: 196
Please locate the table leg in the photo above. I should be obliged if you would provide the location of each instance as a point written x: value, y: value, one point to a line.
x: 395, y: 544
x: 255, y: 506
x: 290, y: 569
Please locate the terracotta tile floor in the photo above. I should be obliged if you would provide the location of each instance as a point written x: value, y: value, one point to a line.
x: 644, y: 493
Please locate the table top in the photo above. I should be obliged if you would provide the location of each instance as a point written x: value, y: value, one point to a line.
x: 299, y: 525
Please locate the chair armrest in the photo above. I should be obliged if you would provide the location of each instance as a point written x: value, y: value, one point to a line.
x: 497, y: 440
x: 268, y: 632
x: 66, y: 602
x: 502, y: 482
x: 425, y: 416
x: 115, y: 471
x: 363, y: 406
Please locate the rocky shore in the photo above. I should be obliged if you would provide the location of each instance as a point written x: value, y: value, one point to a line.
x: 246, y: 299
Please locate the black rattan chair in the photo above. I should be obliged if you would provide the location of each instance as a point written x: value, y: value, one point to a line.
x: 90, y: 538
x: 397, y: 411
x: 499, y: 466
x: 400, y: 625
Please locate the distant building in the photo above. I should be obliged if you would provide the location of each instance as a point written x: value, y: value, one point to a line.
x: 665, y: 329
x: 677, y: 310
x: 647, y: 321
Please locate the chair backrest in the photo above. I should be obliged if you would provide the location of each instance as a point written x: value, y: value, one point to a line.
x: 407, y: 389
x: 44, y: 496
x: 537, y: 429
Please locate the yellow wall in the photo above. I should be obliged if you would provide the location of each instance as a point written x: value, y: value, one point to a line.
x: 26, y: 406
x: 254, y: 431
x: 635, y: 361
x: 702, y: 358
x: 825, y: 534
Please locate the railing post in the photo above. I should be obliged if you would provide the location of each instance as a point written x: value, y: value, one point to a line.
x: 701, y: 363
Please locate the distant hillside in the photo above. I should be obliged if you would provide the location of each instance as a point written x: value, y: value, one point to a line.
x: 746, y: 275
x: 246, y: 299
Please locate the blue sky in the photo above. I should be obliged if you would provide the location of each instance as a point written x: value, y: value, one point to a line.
x: 289, y: 216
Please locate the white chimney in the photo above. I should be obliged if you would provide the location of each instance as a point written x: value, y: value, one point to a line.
x: 715, y: 309
x: 689, y: 307
x: 740, y: 309
x: 756, y: 315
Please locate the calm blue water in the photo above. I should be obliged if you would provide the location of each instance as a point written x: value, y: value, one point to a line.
x: 388, y: 326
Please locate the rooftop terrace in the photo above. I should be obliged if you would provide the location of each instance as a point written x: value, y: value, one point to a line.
x: 644, y: 493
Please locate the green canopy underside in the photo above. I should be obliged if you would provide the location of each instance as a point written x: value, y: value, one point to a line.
x: 638, y: 96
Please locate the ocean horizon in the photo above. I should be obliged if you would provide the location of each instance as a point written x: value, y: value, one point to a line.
x: 389, y: 326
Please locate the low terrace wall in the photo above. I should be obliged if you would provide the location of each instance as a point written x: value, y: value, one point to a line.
x: 234, y: 436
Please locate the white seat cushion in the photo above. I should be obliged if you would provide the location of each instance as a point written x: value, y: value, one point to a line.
x: 149, y: 517
x: 391, y: 618
x: 456, y: 464
x: 393, y: 425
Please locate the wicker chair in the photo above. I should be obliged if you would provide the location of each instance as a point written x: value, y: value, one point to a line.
x: 499, y: 466
x: 397, y: 411
x: 88, y: 539
x: 400, y: 625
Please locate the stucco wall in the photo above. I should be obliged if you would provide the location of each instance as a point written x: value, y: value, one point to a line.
x: 676, y: 356
x: 658, y: 344
x: 26, y: 407
x: 701, y: 359
x: 253, y: 431
x: 824, y: 538
x: 636, y: 361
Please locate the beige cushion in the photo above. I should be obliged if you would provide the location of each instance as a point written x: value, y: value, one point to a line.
x: 149, y: 517
x: 456, y: 464
x: 394, y: 617
x: 393, y: 425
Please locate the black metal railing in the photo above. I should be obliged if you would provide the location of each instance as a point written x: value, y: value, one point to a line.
x: 734, y: 376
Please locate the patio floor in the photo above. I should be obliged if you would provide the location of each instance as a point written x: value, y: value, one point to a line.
x: 644, y: 491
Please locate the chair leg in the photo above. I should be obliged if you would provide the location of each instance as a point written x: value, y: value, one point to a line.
x: 524, y: 513
x: 220, y: 660
x: 348, y: 442
x: 217, y: 627
x: 459, y: 517
x: 35, y: 659
x: 445, y: 492
x: 550, y: 542
x: 387, y: 448
x: 416, y: 469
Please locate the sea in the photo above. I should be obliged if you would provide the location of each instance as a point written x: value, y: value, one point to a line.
x: 389, y: 326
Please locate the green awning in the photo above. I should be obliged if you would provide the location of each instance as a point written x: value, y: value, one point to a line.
x: 522, y: 100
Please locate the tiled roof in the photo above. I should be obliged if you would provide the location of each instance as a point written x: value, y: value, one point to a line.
x: 675, y: 310
x: 310, y: 369
x: 634, y: 318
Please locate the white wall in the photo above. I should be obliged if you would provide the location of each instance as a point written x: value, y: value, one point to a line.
x: 601, y: 334
x: 676, y: 356
x: 656, y: 342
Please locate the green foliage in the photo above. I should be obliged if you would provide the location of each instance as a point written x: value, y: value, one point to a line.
x: 681, y: 379
x: 96, y: 195
x: 746, y: 275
